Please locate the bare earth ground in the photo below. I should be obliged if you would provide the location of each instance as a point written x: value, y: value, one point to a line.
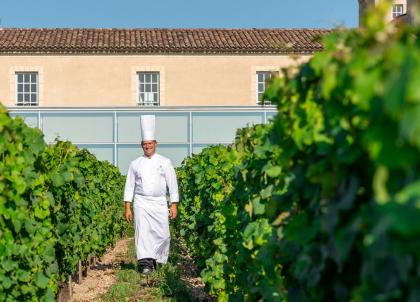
x: 101, y: 276
x: 189, y: 273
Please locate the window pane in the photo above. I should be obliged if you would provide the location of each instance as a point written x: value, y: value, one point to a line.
x: 33, y: 77
x: 141, y: 97
x: 260, y: 87
x: 33, y: 87
x: 154, y: 87
x: 149, y: 97
x: 20, y: 88
x: 260, y: 77
x: 26, y: 77
x: 20, y: 78
x: 148, y: 88
x: 26, y: 87
x: 141, y: 87
x: 155, y: 97
x: 26, y: 97
x: 154, y: 77
x: 147, y: 79
x: 20, y: 97
x: 33, y: 98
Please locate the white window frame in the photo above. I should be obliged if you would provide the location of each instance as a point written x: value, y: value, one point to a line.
x: 26, y: 81
x: 267, y: 75
x: 397, y: 10
x: 148, y: 88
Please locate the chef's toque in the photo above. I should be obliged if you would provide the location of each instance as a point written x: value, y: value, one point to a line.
x: 147, y: 124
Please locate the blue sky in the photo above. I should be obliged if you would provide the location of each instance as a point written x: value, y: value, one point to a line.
x: 179, y: 13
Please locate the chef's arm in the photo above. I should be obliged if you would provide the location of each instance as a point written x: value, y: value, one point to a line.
x: 129, y: 193
x: 173, y: 210
x: 128, y: 213
x: 173, y: 189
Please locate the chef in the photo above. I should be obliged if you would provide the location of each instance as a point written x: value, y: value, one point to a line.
x: 149, y: 178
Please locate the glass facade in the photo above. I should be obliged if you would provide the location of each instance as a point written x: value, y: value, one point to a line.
x: 114, y: 134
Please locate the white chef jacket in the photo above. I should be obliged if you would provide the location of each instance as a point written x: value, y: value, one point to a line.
x: 147, y: 182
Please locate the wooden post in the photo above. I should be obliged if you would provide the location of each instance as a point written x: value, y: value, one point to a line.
x: 87, y: 267
x: 79, y: 272
x: 70, y: 286
x: 65, y: 291
x: 88, y: 264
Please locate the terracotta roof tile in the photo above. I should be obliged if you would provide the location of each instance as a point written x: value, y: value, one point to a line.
x: 159, y: 41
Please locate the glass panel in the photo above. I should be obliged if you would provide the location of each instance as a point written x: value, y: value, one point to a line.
x: 154, y: 77
x: 20, y: 78
x: 141, y: 87
x: 26, y: 97
x: 126, y: 154
x: 220, y: 127
x: 176, y: 153
x: 271, y: 116
x: 20, y: 87
x: 197, y: 148
x: 33, y: 77
x: 33, y: 87
x: 30, y: 119
x: 260, y: 77
x: 170, y: 127
x: 79, y: 127
x: 20, y: 97
x: 149, y: 97
x: 148, y: 88
x: 260, y: 87
x: 33, y: 98
x: 26, y: 87
x: 102, y: 152
x: 26, y: 77
x: 147, y: 78
x: 154, y: 87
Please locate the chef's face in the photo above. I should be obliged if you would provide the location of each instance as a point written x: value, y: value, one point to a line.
x: 149, y: 147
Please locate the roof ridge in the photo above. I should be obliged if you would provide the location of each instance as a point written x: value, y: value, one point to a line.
x: 159, y: 41
x: 168, y: 28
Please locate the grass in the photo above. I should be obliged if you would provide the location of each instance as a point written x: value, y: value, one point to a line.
x: 165, y: 284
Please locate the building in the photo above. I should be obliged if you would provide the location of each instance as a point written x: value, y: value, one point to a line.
x: 145, y: 67
x: 400, y: 9
x: 90, y: 86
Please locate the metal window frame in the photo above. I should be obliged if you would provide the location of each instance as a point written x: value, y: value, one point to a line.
x: 114, y: 112
x: 30, y: 93
x: 139, y: 77
x: 397, y: 10
x: 267, y: 75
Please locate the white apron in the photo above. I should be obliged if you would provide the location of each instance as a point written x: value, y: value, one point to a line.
x: 151, y: 223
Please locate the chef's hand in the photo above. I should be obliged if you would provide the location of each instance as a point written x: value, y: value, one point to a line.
x: 128, y: 214
x: 173, y: 211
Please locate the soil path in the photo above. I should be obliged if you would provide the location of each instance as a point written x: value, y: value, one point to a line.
x: 101, y: 276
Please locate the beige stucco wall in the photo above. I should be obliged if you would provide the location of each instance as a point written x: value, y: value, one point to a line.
x: 110, y: 80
